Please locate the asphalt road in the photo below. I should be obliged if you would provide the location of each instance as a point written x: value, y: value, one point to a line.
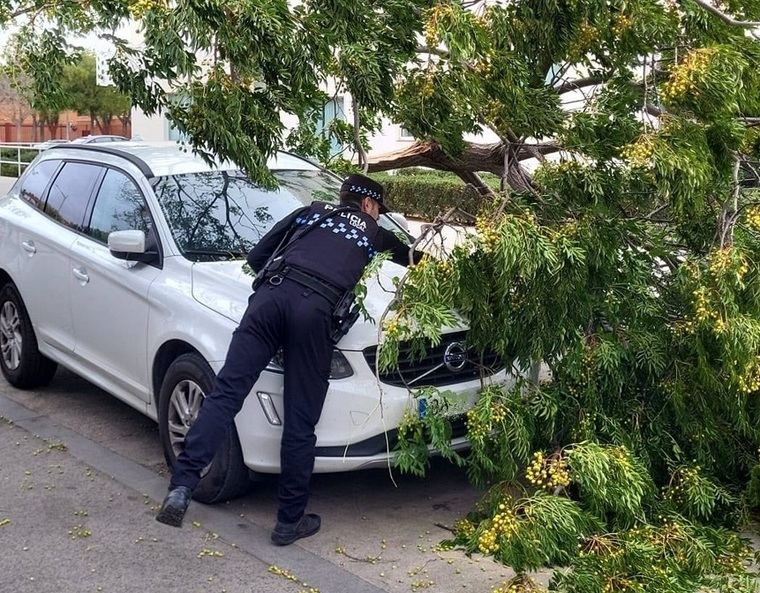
x: 376, y: 536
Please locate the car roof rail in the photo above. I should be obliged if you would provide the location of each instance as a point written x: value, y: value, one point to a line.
x: 132, y: 158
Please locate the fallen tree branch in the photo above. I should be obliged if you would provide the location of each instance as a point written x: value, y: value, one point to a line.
x: 475, y: 157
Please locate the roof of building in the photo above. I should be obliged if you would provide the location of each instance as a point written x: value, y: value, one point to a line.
x: 169, y: 158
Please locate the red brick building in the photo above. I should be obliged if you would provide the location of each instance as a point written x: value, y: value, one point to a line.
x: 69, y: 126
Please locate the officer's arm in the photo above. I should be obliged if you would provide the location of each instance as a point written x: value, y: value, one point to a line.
x: 388, y: 241
x: 264, y: 249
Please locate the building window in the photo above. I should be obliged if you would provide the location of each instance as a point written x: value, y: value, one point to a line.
x: 332, y: 110
x: 172, y: 133
x: 404, y: 134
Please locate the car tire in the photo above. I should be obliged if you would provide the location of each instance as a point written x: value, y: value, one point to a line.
x: 21, y: 362
x: 226, y: 477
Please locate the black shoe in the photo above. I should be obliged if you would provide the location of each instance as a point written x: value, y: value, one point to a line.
x: 285, y: 534
x: 174, y: 506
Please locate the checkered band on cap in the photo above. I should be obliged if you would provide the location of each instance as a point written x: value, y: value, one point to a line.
x: 365, y: 191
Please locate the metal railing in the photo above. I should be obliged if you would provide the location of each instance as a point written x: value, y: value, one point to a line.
x: 16, y: 156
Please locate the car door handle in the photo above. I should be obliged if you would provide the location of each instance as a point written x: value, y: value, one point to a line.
x: 81, y: 274
x: 29, y: 247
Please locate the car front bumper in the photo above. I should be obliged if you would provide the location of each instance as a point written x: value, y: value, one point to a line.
x: 358, y: 423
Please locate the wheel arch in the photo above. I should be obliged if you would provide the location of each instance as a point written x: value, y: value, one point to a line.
x: 5, y: 278
x: 165, y: 356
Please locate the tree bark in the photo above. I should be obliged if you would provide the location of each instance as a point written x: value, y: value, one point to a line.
x: 475, y: 158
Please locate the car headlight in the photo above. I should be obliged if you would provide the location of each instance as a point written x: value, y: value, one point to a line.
x: 339, y: 365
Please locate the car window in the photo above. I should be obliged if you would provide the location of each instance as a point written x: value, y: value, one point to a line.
x: 34, y: 184
x: 120, y: 206
x: 224, y: 214
x: 70, y: 192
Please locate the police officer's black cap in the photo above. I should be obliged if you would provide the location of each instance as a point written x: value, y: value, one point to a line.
x: 364, y: 187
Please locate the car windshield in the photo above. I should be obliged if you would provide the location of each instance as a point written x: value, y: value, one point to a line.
x: 223, y: 214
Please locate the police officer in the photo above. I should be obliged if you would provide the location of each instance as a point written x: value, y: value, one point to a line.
x: 321, y: 252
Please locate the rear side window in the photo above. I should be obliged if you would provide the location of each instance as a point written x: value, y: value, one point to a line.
x: 70, y: 192
x: 34, y: 184
x: 120, y: 206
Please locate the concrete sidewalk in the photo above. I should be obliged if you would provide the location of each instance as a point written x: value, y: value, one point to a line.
x: 65, y: 527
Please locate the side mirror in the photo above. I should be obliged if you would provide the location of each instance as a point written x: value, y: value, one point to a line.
x: 130, y: 246
x: 399, y: 219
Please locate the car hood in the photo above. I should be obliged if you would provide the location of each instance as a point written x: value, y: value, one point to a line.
x: 225, y: 288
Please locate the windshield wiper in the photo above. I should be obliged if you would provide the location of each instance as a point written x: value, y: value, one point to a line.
x: 215, y: 253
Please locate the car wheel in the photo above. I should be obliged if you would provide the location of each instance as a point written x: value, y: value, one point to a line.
x: 183, y: 390
x: 20, y: 360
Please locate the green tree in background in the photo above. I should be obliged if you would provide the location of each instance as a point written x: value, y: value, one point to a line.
x: 82, y: 94
x: 629, y: 262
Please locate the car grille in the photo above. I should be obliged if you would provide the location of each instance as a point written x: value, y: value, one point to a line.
x: 429, y: 369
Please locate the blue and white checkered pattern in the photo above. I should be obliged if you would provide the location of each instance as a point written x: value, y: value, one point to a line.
x: 342, y: 229
x: 365, y: 191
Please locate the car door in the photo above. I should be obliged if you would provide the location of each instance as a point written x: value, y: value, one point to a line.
x: 109, y: 296
x: 59, y: 194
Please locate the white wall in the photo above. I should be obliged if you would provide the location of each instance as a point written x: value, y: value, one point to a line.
x: 148, y: 127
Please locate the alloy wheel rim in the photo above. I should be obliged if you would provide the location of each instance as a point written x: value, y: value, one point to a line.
x: 184, y: 404
x: 10, y: 335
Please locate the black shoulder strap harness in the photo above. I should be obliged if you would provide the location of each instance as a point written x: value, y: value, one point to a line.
x: 274, y: 271
x: 275, y: 263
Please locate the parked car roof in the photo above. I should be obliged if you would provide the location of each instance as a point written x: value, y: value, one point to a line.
x: 169, y: 158
x: 96, y: 138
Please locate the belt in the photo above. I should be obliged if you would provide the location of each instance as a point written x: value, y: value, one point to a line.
x: 321, y: 287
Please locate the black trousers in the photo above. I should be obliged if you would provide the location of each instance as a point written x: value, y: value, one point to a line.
x: 299, y: 320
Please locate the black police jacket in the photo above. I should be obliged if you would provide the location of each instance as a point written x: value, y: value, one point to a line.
x: 337, y: 251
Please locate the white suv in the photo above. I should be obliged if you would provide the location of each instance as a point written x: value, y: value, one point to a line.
x: 125, y: 263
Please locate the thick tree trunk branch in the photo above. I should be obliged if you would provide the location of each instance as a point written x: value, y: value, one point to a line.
x: 726, y: 18
x: 475, y: 158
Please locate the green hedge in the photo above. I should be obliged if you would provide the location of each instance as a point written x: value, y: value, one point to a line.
x: 11, y: 154
x: 425, y: 195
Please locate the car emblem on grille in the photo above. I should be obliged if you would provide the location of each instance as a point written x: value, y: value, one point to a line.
x: 455, y: 356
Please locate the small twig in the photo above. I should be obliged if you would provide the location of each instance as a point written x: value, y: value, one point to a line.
x: 444, y: 527
x: 728, y: 19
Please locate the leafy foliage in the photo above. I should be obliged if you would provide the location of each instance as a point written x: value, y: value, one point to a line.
x: 629, y: 265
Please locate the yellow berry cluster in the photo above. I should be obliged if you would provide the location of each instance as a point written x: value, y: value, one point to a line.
x: 749, y: 382
x: 139, y: 8
x: 623, y: 22
x: 519, y: 584
x: 487, y: 234
x: 618, y: 583
x: 498, y: 413
x: 464, y: 528
x: 684, y: 480
x: 427, y: 87
x: 548, y: 473
x: 702, y: 306
x: 685, y: 76
x: 392, y: 328
x: 736, y: 562
x: 639, y: 153
x: 587, y: 36
x: 432, y: 24
x: 477, y: 429
x: 445, y: 267
x: 503, y: 524
x: 753, y: 217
